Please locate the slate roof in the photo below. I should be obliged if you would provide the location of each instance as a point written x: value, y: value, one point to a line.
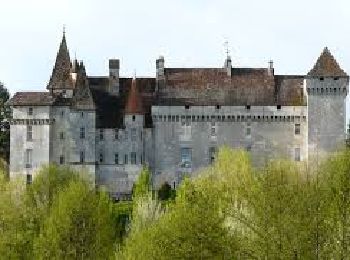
x: 212, y: 86
x: 326, y: 66
x: 60, y: 77
x: 31, y: 99
x: 110, y: 109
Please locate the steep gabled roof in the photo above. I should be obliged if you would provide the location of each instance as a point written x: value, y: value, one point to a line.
x: 31, y: 99
x: 326, y: 66
x: 134, y: 102
x: 82, y: 97
x: 60, y: 78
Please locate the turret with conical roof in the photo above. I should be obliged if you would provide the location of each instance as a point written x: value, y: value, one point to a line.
x: 326, y: 66
x: 134, y: 102
x: 60, y: 78
x: 327, y: 87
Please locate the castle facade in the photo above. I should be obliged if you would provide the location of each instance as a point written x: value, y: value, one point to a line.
x: 110, y: 126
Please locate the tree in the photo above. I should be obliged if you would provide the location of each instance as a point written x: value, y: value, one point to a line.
x: 5, y: 114
x: 165, y: 192
x: 79, y: 225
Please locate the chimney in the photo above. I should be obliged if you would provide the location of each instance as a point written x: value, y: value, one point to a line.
x: 114, y: 76
x: 228, y: 65
x: 270, y: 69
x: 160, y: 67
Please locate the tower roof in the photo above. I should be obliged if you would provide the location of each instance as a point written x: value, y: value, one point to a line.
x: 326, y: 65
x: 134, y: 102
x: 60, y: 78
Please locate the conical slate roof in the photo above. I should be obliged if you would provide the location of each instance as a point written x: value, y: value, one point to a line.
x: 134, y: 102
x: 82, y: 96
x: 326, y: 66
x: 60, y: 78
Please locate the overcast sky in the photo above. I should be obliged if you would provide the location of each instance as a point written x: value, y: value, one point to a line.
x: 188, y: 33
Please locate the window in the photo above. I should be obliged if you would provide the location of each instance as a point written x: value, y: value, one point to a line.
x: 82, y: 133
x: 186, y: 157
x: 322, y: 78
x: 297, y: 154
x: 30, y: 111
x: 82, y: 157
x: 61, y: 135
x: 248, y: 130
x: 212, y: 152
x: 279, y: 107
x: 29, y: 178
x: 61, y: 159
x: 101, y: 157
x: 133, y: 134
x: 116, y: 158
x: 213, y: 129
x: 133, y: 158
x: 133, y: 118
x: 218, y: 106
x: 101, y: 134
x: 29, y: 133
x: 247, y: 107
x: 62, y: 113
x: 29, y: 158
x: 297, y: 129
x: 187, y: 107
x: 126, y: 159
x: 116, y: 134
x: 82, y: 114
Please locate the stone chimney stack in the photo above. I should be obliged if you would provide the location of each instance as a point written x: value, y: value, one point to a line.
x: 160, y: 77
x: 270, y: 69
x: 228, y: 66
x: 160, y: 67
x: 114, y: 76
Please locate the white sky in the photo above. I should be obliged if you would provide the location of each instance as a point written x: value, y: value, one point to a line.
x: 188, y: 33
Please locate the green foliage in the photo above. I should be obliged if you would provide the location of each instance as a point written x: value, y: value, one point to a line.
x: 143, y: 184
x: 5, y: 113
x: 79, y: 225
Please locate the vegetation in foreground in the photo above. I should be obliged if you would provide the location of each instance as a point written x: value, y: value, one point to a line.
x: 230, y: 211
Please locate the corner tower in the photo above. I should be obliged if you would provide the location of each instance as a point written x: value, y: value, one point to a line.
x: 327, y: 88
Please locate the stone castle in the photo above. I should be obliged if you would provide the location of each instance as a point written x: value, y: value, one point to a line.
x: 110, y: 126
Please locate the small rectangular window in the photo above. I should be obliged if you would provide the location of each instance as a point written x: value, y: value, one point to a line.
x: 133, y: 158
x: 101, y: 157
x: 116, y: 158
x: 116, y: 134
x: 248, y: 131
x: 133, y: 118
x: 101, y: 134
x: 297, y: 129
x: 82, y: 157
x: 297, y: 154
x: 61, y: 135
x: 187, y: 107
x: 126, y: 159
x: 61, y: 159
x: 82, y: 114
x: 29, y: 133
x: 133, y: 134
x: 247, y: 107
x: 279, y: 107
x: 212, y: 153
x: 82, y: 133
x: 186, y: 157
x: 30, y: 111
x: 29, y: 158
x: 29, y: 179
